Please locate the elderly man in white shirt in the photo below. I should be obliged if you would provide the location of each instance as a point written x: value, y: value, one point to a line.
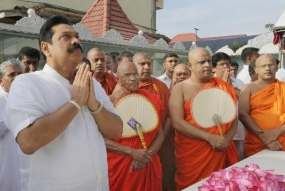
x: 9, y: 160
x: 170, y: 60
x: 248, y: 55
x: 221, y: 64
x: 59, y: 120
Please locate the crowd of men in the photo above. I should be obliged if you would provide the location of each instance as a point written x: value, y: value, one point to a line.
x: 60, y: 131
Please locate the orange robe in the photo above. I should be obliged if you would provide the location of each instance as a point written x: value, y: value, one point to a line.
x: 195, y: 159
x: 108, y: 82
x: 166, y: 151
x: 146, y: 179
x: 267, y: 109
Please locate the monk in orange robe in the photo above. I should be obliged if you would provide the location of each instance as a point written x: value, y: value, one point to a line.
x: 262, y: 109
x: 199, y: 151
x: 98, y: 64
x: 155, y: 86
x: 130, y: 166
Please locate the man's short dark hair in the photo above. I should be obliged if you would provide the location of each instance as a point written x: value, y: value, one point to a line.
x: 251, y: 68
x: 218, y: 57
x: 111, y: 58
x: 125, y: 54
x: 46, y: 32
x: 114, y: 55
x: 248, y: 52
x: 30, y: 52
x: 87, y: 62
x: 277, y: 61
x: 170, y: 54
x: 234, y: 64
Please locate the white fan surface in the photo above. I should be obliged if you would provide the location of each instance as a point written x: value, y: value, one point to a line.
x: 141, y: 109
x: 212, y: 101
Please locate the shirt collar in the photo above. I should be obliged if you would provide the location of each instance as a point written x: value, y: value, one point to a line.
x: 165, y: 76
x: 50, y: 71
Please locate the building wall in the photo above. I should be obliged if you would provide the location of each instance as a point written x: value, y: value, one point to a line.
x: 141, y: 12
x: 71, y: 4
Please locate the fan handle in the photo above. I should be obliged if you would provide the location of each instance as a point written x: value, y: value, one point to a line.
x: 219, y: 126
x: 141, y: 135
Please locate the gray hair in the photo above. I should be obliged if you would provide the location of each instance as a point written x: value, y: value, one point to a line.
x: 140, y: 54
x: 7, y: 63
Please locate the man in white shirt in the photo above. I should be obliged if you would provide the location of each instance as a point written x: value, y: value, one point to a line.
x: 170, y: 60
x: 221, y: 63
x: 280, y: 74
x: 59, y: 121
x: 248, y: 55
x: 9, y: 160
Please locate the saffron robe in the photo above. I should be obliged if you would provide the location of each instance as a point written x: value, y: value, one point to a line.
x: 166, y: 152
x: 267, y: 109
x: 146, y: 179
x: 195, y: 159
x: 108, y: 82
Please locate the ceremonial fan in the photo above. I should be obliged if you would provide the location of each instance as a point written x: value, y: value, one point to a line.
x: 138, y: 114
x: 213, y: 107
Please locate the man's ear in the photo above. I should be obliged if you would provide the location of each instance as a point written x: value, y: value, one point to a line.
x: 1, y: 82
x: 45, y: 49
x: 117, y: 79
x: 163, y: 65
x: 189, y: 66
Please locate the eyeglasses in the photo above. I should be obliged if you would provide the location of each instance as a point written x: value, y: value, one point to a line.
x: 128, y: 76
x: 267, y: 65
x: 225, y: 64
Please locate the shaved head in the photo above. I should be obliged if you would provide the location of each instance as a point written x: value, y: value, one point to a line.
x: 196, y: 52
x: 179, y: 67
x: 124, y: 67
x: 181, y: 72
x: 138, y: 55
x: 127, y: 76
x: 200, y: 64
x: 266, y: 68
x: 261, y: 59
x: 92, y: 50
x: 98, y: 62
x: 143, y: 63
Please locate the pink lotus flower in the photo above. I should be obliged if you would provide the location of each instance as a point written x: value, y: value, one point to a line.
x: 249, y: 178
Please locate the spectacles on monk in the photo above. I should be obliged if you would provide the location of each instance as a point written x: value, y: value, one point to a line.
x: 129, y: 76
x: 267, y: 65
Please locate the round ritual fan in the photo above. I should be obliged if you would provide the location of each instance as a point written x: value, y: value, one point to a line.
x: 213, y: 107
x: 138, y: 114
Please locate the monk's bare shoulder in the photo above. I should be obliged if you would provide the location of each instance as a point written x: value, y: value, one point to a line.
x: 186, y: 88
x: 251, y: 88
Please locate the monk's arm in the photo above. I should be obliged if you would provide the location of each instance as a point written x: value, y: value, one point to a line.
x: 167, y: 126
x: 139, y: 154
x: 244, y: 111
x: 232, y: 130
x: 176, y: 103
x: 157, y: 142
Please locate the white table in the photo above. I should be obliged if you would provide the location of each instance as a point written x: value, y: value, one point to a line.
x: 265, y: 159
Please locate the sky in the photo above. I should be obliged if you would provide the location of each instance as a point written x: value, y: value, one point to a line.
x: 217, y: 17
